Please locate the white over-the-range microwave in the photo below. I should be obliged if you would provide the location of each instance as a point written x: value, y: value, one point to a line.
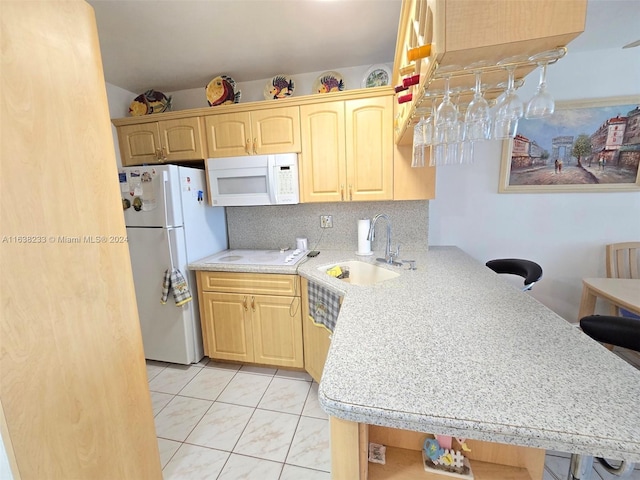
x: 253, y: 180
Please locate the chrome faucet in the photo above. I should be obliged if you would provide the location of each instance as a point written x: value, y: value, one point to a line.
x: 388, y: 256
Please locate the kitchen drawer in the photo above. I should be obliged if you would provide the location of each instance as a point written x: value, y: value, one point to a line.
x: 255, y: 283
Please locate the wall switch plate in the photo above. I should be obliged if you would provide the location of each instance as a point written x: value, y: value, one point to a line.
x: 326, y: 221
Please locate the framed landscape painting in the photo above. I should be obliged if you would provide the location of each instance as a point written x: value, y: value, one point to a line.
x: 585, y: 146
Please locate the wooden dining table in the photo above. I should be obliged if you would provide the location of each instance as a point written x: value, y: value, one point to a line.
x: 619, y: 292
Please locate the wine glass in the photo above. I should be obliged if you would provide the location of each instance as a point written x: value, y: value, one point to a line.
x: 510, y: 109
x: 466, y: 151
x: 478, y: 115
x: 417, y: 158
x: 542, y: 104
x: 422, y: 134
x: 454, y: 147
x: 447, y: 116
x: 421, y: 138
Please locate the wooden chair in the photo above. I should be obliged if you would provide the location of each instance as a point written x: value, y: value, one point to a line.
x: 622, y: 262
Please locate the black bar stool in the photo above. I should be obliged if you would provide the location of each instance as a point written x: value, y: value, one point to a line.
x: 530, y: 271
x: 621, y: 332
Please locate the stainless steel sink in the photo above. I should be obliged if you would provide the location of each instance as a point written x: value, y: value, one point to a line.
x: 362, y: 273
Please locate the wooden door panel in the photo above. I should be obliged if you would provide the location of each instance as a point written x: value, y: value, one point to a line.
x: 256, y: 283
x: 369, y: 148
x: 228, y: 134
x: 322, y: 164
x: 182, y: 139
x: 75, y: 398
x: 139, y: 143
x: 276, y: 130
x: 229, y: 326
x: 277, y: 334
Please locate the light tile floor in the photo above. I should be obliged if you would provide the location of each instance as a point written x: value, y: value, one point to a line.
x: 219, y: 421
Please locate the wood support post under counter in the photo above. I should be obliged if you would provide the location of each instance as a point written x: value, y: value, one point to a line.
x: 489, y: 461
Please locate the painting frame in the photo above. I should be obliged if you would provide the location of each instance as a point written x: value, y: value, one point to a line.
x: 533, y: 182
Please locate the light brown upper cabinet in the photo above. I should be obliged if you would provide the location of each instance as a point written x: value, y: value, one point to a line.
x: 164, y: 141
x: 260, y: 132
x: 347, y: 150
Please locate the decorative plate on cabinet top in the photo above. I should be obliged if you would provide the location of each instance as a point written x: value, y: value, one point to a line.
x: 222, y: 90
x: 149, y: 102
x: 377, y: 76
x: 328, y: 82
x: 280, y: 86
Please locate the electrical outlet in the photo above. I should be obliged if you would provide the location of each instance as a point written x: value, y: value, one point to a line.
x: 326, y: 221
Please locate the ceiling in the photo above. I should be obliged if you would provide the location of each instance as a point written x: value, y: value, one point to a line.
x: 171, y: 45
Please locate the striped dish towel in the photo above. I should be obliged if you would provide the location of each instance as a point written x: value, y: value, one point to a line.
x: 173, y: 280
x: 324, y: 306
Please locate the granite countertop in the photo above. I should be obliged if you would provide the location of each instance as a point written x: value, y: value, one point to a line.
x: 453, y: 348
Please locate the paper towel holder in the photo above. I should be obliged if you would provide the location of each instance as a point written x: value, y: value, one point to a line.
x: 364, y: 245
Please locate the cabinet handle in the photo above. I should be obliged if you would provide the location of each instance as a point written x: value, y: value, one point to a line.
x: 164, y: 154
x: 244, y: 303
x: 246, y: 147
x: 158, y: 154
x: 350, y: 193
x: 255, y: 143
x: 253, y: 303
x: 342, y: 193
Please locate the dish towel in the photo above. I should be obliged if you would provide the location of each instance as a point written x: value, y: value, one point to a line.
x: 324, y: 306
x: 173, y: 280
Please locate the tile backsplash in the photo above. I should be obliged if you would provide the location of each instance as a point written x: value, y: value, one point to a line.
x: 270, y: 227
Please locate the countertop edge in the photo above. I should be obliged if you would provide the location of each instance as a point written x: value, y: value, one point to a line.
x: 506, y: 434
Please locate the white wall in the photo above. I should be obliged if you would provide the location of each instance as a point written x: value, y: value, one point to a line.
x: 5, y: 468
x: 564, y: 232
x: 119, y: 101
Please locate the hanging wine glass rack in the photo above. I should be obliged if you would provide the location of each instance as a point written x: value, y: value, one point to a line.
x: 434, y: 34
x: 494, y: 81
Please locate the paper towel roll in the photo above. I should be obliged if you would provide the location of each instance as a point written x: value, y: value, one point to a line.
x: 364, y: 245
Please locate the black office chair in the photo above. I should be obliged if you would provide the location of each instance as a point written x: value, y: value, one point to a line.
x: 530, y: 271
x: 617, y: 331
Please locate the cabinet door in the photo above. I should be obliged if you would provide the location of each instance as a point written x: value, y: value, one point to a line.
x: 322, y: 163
x: 182, y: 139
x: 277, y: 333
x: 369, y: 148
x: 228, y: 326
x: 228, y: 134
x: 139, y: 144
x: 316, y: 339
x: 275, y: 130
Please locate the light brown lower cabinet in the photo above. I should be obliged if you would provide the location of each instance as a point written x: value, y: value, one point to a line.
x: 488, y: 460
x: 253, y: 318
x: 317, y: 339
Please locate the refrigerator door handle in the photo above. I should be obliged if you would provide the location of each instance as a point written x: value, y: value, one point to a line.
x: 169, y: 230
x: 165, y: 180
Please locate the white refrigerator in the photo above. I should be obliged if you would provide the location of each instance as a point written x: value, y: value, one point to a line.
x: 169, y: 224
